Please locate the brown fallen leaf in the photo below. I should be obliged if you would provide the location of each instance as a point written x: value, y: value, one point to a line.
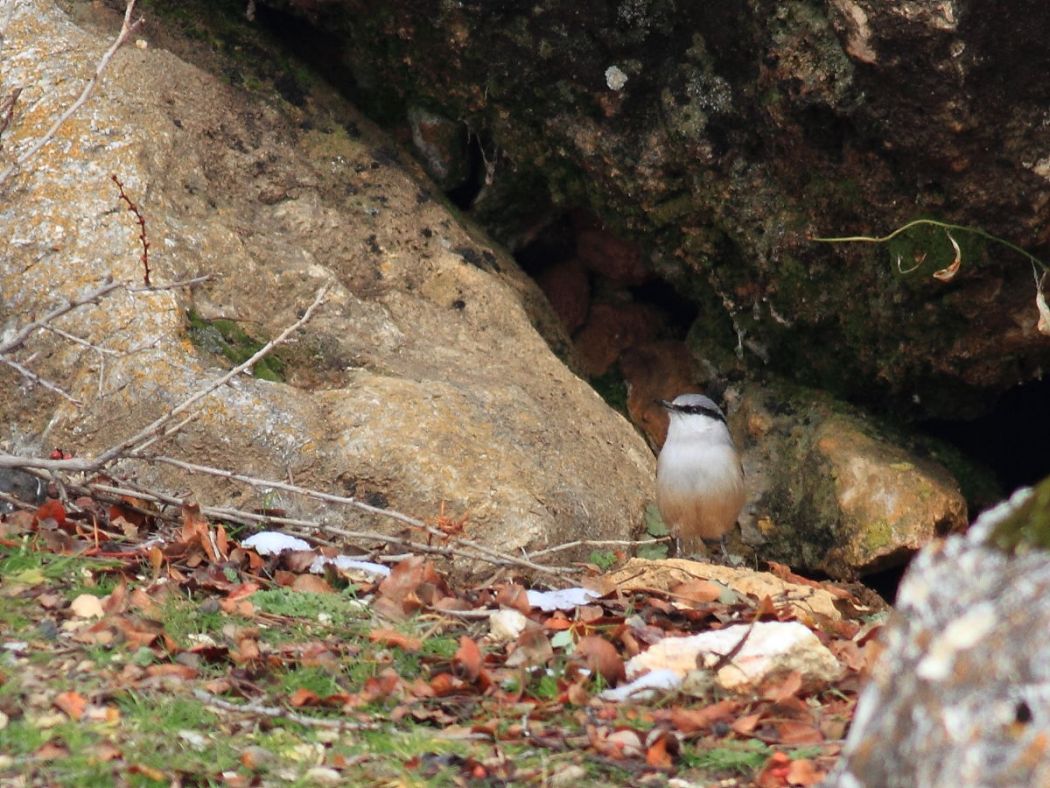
x: 304, y: 697
x: 700, y: 591
x: 185, y: 672
x: 805, y: 772
x: 468, y: 658
x: 532, y: 649
x: 72, y: 703
x: 784, y: 688
x: 602, y: 658
x: 774, y: 771
x: 312, y: 584
x: 692, y: 720
x: 515, y: 597
x: 746, y: 725
x: 794, y: 732
x: 51, y: 509
x: 391, y: 637
x: 658, y: 755
x: 51, y: 750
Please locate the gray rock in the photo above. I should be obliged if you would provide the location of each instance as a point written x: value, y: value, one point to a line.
x: 961, y: 695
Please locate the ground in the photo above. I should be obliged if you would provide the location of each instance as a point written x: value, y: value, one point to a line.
x: 151, y: 651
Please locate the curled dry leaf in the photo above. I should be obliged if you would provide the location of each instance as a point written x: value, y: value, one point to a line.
x: 1043, y: 326
x: 948, y: 273
x: 661, y: 752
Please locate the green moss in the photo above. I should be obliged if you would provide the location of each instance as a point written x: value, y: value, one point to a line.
x: 226, y: 338
x: 877, y: 536
x: 1028, y: 527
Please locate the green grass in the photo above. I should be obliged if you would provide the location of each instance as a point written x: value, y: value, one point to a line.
x: 301, y: 604
x: 742, y: 759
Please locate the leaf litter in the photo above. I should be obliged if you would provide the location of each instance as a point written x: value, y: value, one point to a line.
x: 138, y: 651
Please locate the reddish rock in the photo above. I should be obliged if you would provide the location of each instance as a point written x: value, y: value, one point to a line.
x: 656, y: 370
x: 611, y: 329
x: 566, y: 286
x: 600, y: 251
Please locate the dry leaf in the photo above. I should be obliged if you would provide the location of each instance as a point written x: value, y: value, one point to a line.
x: 312, y: 584
x: 805, y: 772
x: 701, y: 591
x: 391, y: 637
x: 948, y: 273
x: 660, y: 753
x: 1043, y: 326
x: 602, y: 658
x: 468, y: 657
x: 304, y: 697
x: 746, y: 725
x: 692, y: 720
x: 72, y: 703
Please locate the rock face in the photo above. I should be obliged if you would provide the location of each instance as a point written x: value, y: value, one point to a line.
x: 723, y: 136
x: 959, y: 697
x: 830, y: 491
x: 424, y: 378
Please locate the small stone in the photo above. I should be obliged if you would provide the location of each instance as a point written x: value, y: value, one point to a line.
x: 87, y: 606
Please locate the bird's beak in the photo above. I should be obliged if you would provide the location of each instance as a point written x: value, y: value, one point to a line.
x: 664, y: 404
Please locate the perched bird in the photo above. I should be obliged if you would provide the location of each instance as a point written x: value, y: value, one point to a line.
x: 699, y: 478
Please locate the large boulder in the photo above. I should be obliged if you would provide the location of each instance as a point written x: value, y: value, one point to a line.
x: 723, y: 136
x: 425, y: 382
x: 833, y: 490
x: 960, y: 694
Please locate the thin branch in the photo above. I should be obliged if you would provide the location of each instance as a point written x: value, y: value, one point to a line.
x: 92, y: 296
x: 486, y: 552
x: 868, y: 239
x: 276, y: 712
x: 143, y: 236
x: 599, y: 543
x: 82, y: 342
x: 146, y: 437
x: 291, y: 488
x: 126, y: 29
x: 7, y: 108
x: 172, y: 286
x: 34, y: 378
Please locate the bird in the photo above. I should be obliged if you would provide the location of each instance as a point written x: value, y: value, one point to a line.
x: 699, y: 477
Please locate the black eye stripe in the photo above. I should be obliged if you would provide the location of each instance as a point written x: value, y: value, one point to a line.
x: 713, y: 413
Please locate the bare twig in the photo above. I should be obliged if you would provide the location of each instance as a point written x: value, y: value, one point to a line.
x: 7, y: 108
x: 143, y: 237
x: 90, y: 297
x: 481, y: 551
x: 599, y: 543
x: 146, y: 437
x: 292, y: 488
x: 128, y: 27
x: 34, y: 378
x: 82, y: 342
x: 277, y: 712
x: 196, y: 280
